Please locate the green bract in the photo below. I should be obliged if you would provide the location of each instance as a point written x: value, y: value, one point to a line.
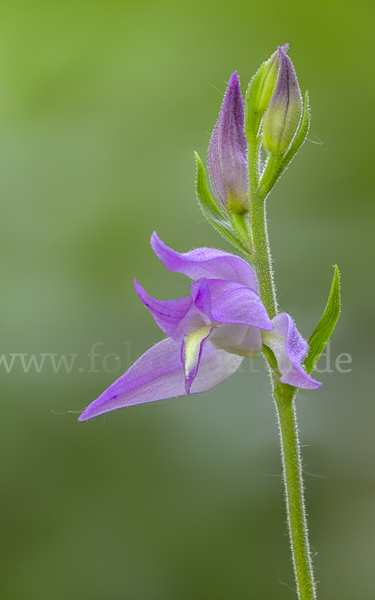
x: 218, y: 219
x: 326, y: 325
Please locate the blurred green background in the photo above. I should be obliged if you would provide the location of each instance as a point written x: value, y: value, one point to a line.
x: 101, y: 106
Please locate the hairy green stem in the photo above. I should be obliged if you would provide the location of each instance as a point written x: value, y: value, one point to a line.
x: 284, y: 395
x: 262, y: 255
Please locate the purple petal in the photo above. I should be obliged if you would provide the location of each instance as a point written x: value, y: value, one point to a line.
x: 205, y: 262
x: 176, y: 318
x: 158, y: 374
x: 227, y: 152
x: 289, y: 349
x: 215, y: 366
x: 228, y: 302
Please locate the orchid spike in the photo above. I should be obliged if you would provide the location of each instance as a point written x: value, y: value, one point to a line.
x: 209, y: 333
x: 227, y: 152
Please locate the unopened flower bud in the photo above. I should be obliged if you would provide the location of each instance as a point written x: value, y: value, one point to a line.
x: 285, y: 108
x: 263, y: 84
x: 227, y: 152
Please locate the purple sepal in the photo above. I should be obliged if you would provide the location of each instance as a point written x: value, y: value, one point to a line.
x: 289, y: 349
x: 158, y: 374
x: 205, y: 262
x: 175, y: 318
x: 227, y: 151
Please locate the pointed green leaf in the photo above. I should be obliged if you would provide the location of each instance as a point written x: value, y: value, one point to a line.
x: 326, y: 324
x: 211, y: 211
x: 271, y: 173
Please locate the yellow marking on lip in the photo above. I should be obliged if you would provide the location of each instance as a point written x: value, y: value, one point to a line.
x: 192, y: 347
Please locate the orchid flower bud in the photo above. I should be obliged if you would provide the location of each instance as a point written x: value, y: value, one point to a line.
x: 285, y: 108
x: 227, y: 152
x: 267, y: 82
x: 259, y: 93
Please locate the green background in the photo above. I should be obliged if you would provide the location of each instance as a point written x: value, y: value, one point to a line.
x: 101, y: 106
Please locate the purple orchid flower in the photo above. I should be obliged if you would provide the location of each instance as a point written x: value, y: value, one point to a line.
x: 284, y: 110
x: 227, y: 152
x: 209, y: 333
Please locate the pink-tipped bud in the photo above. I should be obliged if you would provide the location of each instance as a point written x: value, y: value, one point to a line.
x: 285, y: 108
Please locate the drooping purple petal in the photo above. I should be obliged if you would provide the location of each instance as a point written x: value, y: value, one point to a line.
x: 205, y: 262
x: 158, y: 375
x: 227, y: 152
x: 228, y: 302
x: 176, y: 318
x: 289, y: 349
